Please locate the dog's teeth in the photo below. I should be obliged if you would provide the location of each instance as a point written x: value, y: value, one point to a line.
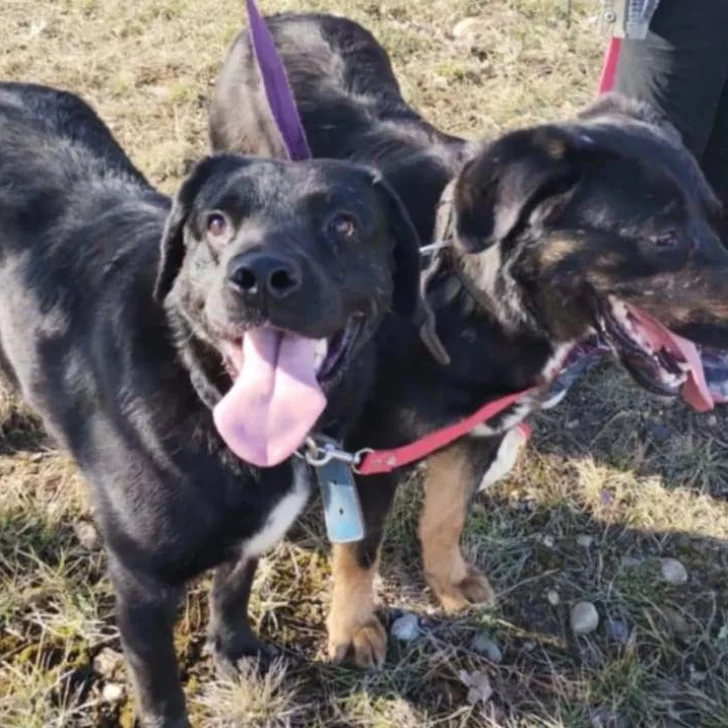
x: 322, y: 349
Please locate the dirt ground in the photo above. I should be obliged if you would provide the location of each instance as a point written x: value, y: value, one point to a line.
x: 613, y: 483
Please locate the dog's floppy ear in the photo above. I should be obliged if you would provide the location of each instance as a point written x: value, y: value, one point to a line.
x: 407, y: 298
x: 173, y: 245
x: 503, y: 185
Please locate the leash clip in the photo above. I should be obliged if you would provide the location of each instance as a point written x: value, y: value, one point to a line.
x: 334, y: 470
x: 321, y: 450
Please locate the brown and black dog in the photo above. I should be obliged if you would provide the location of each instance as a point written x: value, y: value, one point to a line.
x: 569, y: 238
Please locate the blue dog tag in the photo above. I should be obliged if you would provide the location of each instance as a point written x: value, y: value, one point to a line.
x: 342, y: 510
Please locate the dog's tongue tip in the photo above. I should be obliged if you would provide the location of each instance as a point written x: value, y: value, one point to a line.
x: 275, y: 400
x: 695, y: 391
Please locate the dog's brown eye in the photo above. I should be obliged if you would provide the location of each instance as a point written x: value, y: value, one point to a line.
x: 343, y: 226
x: 217, y: 225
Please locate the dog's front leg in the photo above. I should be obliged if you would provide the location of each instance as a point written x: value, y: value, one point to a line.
x: 230, y: 635
x: 355, y: 633
x: 452, y: 477
x: 145, y: 615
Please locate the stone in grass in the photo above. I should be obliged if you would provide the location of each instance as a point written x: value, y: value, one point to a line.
x: 584, y: 540
x: 466, y: 28
x: 584, y: 618
x: 107, y: 662
x: 553, y: 598
x: 673, y: 572
x: 112, y: 692
x: 478, y: 684
x: 87, y: 535
x: 483, y: 645
x: 406, y: 628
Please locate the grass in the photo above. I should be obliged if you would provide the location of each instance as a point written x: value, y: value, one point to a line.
x: 612, y: 483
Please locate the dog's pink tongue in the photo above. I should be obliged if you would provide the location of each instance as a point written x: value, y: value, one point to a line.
x: 275, y: 400
x: 695, y: 390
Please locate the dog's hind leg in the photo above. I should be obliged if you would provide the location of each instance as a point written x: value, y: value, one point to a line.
x: 355, y: 633
x: 230, y: 636
x: 145, y: 615
x: 452, y: 477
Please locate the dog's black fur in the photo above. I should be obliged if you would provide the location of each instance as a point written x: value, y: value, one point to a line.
x: 562, y: 217
x: 117, y: 341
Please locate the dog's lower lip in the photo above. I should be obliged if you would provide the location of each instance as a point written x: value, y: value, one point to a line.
x: 339, y: 347
x: 657, y: 371
x: 232, y: 354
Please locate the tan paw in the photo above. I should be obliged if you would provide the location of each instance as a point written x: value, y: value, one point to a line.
x: 456, y: 597
x: 364, y: 646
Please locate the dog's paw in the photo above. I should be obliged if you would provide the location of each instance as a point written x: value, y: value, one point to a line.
x: 458, y: 596
x: 364, y: 646
x: 233, y: 658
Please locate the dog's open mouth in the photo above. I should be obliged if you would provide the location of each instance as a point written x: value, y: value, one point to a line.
x: 660, y: 360
x: 278, y: 391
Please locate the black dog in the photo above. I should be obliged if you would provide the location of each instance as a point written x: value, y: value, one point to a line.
x: 580, y: 229
x: 270, y: 271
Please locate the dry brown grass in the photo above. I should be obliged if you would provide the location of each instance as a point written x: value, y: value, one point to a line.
x: 644, y: 480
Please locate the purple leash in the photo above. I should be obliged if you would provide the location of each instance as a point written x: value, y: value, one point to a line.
x: 275, y: 83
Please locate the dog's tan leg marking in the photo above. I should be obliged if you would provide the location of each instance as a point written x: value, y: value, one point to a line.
x: 355, y: 633
x: 448, y: 485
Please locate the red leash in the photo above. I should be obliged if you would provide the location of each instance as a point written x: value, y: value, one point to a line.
x: 385, y: 461
x: 609, y: 67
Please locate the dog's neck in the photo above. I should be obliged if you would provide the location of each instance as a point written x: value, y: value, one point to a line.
x: 485, y: 323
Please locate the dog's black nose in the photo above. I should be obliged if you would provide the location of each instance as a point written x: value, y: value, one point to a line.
x: 258, y: 273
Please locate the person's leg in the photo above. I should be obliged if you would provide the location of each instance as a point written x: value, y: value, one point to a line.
x: 681, y: 67
x: 715, y: 159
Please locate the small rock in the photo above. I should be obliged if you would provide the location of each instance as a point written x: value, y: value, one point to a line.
x: 673, y: 572
x: 107, y: 662
x: 406, y: 628
x: 584, y: 618
x: 87, y: 535
x: 529, y: 645
x: 112, y: 692
x: 618, y: 631
x: 548, y: 541
x: 553, y: 598
x: 572, y: 424
x: 466, y: 28
x: 486, y: 647
x: 712, y: 421
x: 585, y: 540
x: 480, y: 690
